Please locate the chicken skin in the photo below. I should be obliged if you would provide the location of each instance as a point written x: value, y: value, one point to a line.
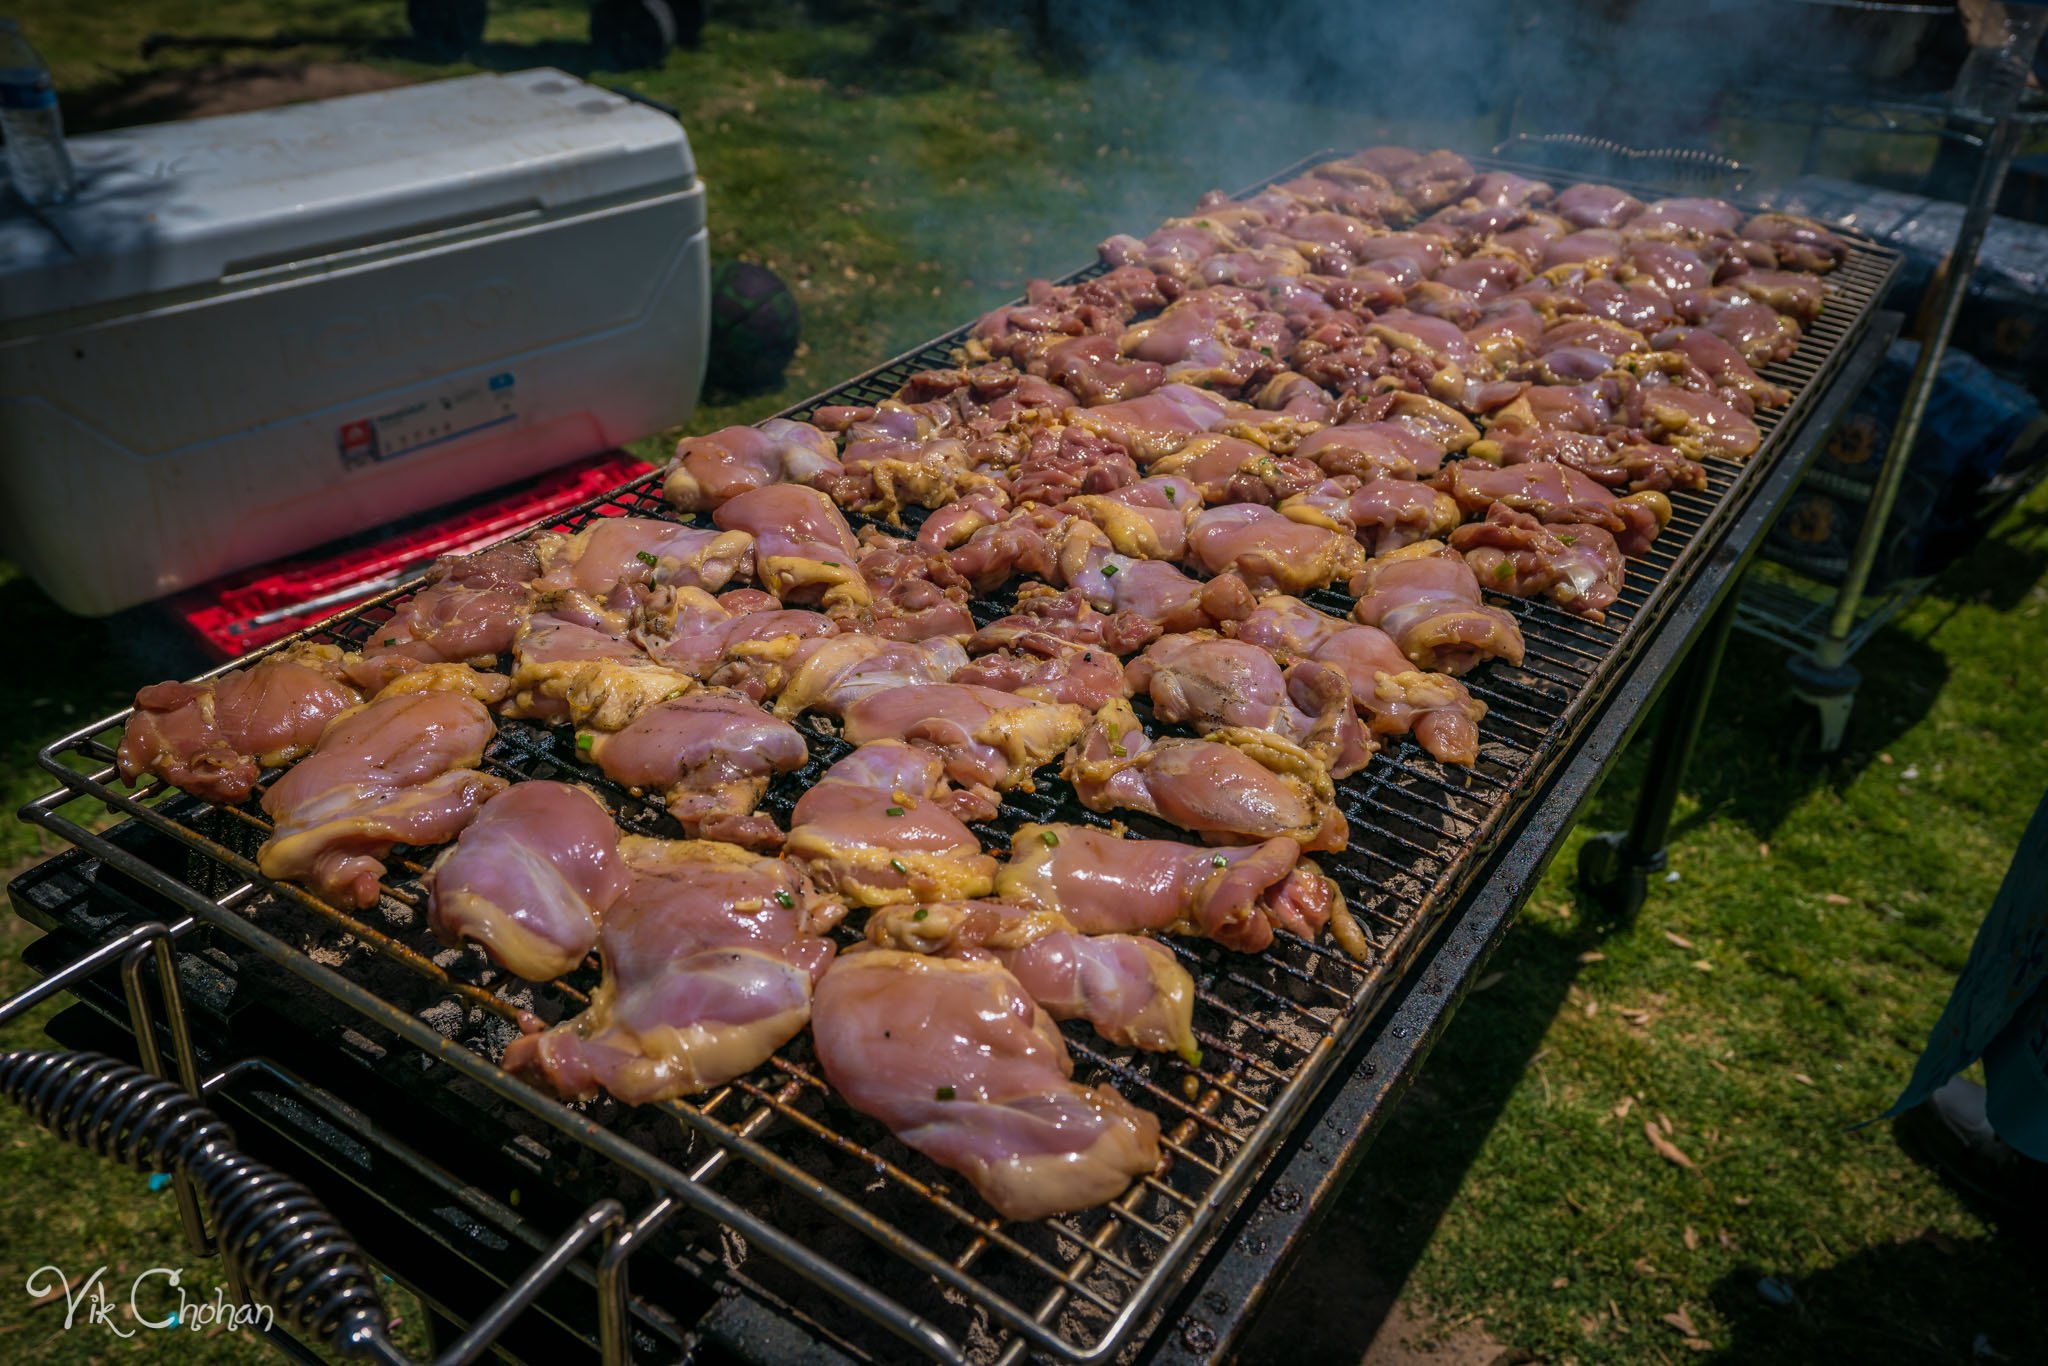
x: 883, y: 826
x: 529, y: 879
x: 1426, y: 598
x: 954, y: 1056
x: 986, y: 737
x: 710, y: 958
x: 709, y: 471
x: 710, y: 756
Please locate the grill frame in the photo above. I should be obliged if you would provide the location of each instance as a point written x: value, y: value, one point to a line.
x: 1582, y: 662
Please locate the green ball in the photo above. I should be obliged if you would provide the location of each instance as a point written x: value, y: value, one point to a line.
x: 754, y: 326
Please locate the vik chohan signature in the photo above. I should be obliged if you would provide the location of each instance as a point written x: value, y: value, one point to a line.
x: 156, y: 1300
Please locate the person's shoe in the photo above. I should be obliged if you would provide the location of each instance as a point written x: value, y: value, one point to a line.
x: 1950, y: 1131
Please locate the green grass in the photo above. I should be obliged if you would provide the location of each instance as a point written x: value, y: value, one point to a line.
x: 901, y: 186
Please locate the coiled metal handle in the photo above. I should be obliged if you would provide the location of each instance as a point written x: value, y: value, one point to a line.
x: 1694, y: 162
x: 289, y: 1251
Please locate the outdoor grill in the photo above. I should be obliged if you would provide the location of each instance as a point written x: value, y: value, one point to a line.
x: 766, y: 1219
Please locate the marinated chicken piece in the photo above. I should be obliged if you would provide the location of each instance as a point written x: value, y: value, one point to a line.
x: 1177, y: 249
x: 1559, y: 493
x: 1635, y: 467
x: 957, y: 1060
x: 1595, y: 206
x: 212, y: 738
x: 1094, y: 371
x: 1069, y: 617
x: 1481, y: 279
x: 904, y: 456
x: 529, y: 879
x: 1043, y: 666
x: 1724, y: 367
x: 1269, y: 550
x: 881, y: 827
x: 1796, y: 243
x: 1681, y: 273
x: 710, y: 959
x: 1229, y: 469
x: 1759, y: 332
x: 1130, y: 989
x: 1381, y: 514
x: 1419, y: 415
x: 1695, y: 424
x: 620, y: 560
x: 1578, y: 567
x: 1101, y: 884
x: 1058, y: 463
x: 1372, y: 450
x: 398, y: 770
x: 831, y: 674
x: 804, y: 552
x: 1686, y: 219
x: 1150, y: 590
x: 986, y: 737
x: 1425, y: 597
x: 706, y: 634
x: 1158, y: 424
x: 1218, y: 684
x: 914, y: 593
x: 1233, y: 787
x: 1147, y: 520
x: 569, y: 666
x: 709, y: 470
x: 709, y: 755
x: 1394, y: 697
x: 1296, y: 396
x: 1794, y: 295
x: 469, y: 612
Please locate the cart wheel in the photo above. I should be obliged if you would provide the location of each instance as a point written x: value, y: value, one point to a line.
x: 445, y: 29
x: 632, y: 34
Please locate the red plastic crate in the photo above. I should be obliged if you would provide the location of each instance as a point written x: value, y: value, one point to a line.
x: 248, y: 609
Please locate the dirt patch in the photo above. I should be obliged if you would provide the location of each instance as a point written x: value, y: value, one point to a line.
x: 1407, y: 1339
x: 199, y: 91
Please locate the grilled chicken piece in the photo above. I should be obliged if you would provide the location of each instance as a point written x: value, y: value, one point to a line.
x: 710, y: 958
x: 709, y: 470
x: 1428, y: 419
x: 1099, y: 883
x: 1132, y: 990
x: 1158, y: 424
x: 804, y: 551
x: 710, y: 756
x: 1694, y: 424
x: 1153, y: 590
x: 1094, y: 372
x: 620, y: 561
x: 914, y: 593
x: 832, y: 673
x: 1686, y: 220
x: 1634, y: 467
x: 904, y: 455
x: 213, y: 737
x: 957, y: 1060
x: 986, y: 738
x: 1217, y: 684
x: 1595, y: 206
x: 1394, y: 697
x: 1722, y: 366
x: 1069, y: 617
x: 469, y: 612
x: 880, y: 827
x: 1233, y: 787
x: 1425, y: 597
x: 568, y: 666
x: 529, y: 879
x: 1381, y: 514
x: 1796, y: 243
x: 398, y: 770
x: 1755, y: 329
x: 1058, y: 463
x: 1578, y: 567
x: 1270, y: 551
x: 1044, y: 667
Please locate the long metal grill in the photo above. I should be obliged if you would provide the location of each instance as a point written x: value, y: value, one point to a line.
x: 775, y: 1166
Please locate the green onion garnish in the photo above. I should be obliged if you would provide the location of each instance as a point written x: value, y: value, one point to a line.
x: 391, y: 640
x: 583, y: 741
x: 920, y: 913
x: 1119, y: 751
x: 1504, y: 571
x: 647, y: 557
x: 944, y: 1093
x: 1218, y: 862
x: 1049, y: 839
x: 1109, y: 571
x: 831, y: 564
x: 894, y: 811
x: 1170, y: 495
x: 784, y: 900
x: 899, y: 865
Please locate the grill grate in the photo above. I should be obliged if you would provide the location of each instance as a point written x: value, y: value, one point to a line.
x: 769, y: 1154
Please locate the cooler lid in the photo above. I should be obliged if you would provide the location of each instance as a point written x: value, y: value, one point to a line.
x: 181, y: 206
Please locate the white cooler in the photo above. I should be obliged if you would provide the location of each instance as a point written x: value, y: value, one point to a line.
x: 255, y: 333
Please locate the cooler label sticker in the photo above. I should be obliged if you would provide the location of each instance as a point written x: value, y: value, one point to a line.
x: 461, y: 410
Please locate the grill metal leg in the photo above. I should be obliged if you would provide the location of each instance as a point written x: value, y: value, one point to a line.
x: 1615, y: 866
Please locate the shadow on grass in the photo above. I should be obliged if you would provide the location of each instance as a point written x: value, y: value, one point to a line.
x: 1919, y: 1300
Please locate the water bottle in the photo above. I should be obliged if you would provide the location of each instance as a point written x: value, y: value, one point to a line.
x: 29, y: 123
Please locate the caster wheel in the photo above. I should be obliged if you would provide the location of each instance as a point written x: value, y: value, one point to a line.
x: 630, y: 35
x: 445, y: 29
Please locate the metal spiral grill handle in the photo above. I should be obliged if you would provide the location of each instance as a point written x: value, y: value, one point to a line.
x: 289, y: 1250
x: 1695, y: 161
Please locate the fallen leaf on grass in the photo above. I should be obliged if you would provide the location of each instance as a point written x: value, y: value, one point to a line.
x: 1803, y: 1079
x: 1592, y: 1007
x: 1884, y: 758
x: 1690, y: 1238
x: 1725, y: 1238
x: 1682, y: 1321
x: 1592, y: 956
x: 1742, y: 1202
x: 1703, y: 965
x: 1666, y: 1149
x: 1764, y: 850
x: 1835, y: 899
x: 1491, y: 979
x: 1560, y: 1282
x: 1639, y: 1018
x: 1664, y: 1121
x: 1698, y: 1345
x: 1627, y: 1103
x: 1717, y: 1064
x: 1678, y: 939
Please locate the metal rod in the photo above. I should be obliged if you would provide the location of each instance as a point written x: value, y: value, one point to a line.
x: 614, y: 1307
x: 1679, y: 733
x: 191, y: 1216
x: 84, y: 966
x: 518, y: 1296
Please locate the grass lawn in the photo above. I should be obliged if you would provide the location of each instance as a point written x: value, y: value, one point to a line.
x: 1770, y: 997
